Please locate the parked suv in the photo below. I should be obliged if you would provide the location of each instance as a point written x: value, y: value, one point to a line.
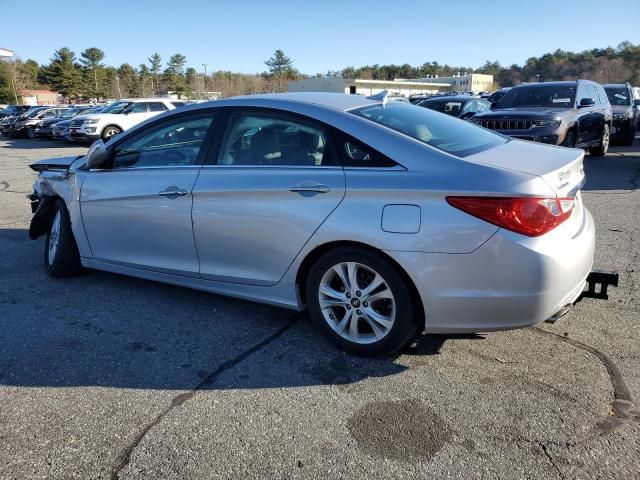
x: 26, y: 125
x: 116, y: 118
x: 571, y: 113
x: 625, y: 112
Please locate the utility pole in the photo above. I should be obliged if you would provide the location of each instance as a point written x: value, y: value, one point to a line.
x: 206, y: 89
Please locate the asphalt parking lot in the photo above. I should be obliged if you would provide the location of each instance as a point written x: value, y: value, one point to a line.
x: 105, y: 376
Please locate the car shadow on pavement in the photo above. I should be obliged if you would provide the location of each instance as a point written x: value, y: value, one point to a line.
x: 619, y: 170
x: 102, y: 329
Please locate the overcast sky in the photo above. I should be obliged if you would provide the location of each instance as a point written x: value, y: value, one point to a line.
x: 318, y: 35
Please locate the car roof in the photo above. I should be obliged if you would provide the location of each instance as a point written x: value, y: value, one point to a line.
x: 562, y: 83
x: 449, y: 98
x: 336, y: 101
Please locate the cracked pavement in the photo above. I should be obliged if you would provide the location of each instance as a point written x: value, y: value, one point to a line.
x: 105, y: 376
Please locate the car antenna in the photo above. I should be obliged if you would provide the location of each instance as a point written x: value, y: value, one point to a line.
x: 382, y: 96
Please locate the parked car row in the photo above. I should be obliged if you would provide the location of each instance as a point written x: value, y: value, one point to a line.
x: 578, y: 113
x: 82, y: 123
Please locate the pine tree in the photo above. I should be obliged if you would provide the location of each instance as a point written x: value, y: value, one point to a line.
x: 90, y: 59
x: 155, y: 62
x: 174, y: 75
x: 64, y: 74
x: 279, y: 64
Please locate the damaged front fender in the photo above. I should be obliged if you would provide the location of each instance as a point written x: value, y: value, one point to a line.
x: 43, y: 216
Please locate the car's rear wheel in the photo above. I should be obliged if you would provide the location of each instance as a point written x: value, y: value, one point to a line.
x: 110, y: 131
x: 61, y: 256
x: 602, y: 148
x: 361, y: 301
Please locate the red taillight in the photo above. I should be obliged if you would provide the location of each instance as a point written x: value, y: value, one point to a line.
x: 526, y: 215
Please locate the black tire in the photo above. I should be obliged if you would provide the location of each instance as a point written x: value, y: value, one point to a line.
x: 65, y: 261
x: 602, y: 148
x: 110, y: 131
x: 406, y: 323
x: 570, y: 139
x: 31, y: 133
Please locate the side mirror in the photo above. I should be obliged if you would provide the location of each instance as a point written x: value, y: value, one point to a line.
x: 467, y: 115
x: 587, y: 102
x: 493, y: 105
x: 636, y: 102
x: 97, y: 156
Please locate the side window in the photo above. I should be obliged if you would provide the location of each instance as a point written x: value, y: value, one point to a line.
x: 356, y: 154
x: 178, y: 104
x: 157, y: 107
x: 49, y: 114
x: 593, y: 93
x: 470, y: 106
x: 139, y: 107
x: 256, y: 139
x: 582, y: 93
x: 173, y: 143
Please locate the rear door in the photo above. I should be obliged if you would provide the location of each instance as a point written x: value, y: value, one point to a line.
x: 274, y: 180
x: 138, y: 212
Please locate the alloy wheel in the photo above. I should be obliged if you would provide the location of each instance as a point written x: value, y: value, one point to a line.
x: 54, y: 237
x: 357, y: 303
x: 110, y: 132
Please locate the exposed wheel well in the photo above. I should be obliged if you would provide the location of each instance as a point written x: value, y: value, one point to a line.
x: 305, y: 266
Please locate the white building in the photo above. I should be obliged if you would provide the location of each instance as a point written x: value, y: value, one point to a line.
x: 472, y: 82
x: 6, y: 53
x: 367, y: 87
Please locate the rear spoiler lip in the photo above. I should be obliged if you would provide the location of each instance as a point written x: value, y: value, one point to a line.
x: 574, y: 191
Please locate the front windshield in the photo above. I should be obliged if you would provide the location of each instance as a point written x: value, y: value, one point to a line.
x: 618, y: 95
x: 33, y: 113
x: 116, y: 107
x: 69, y: 113
x: 438, y: 130
x: 539, y: 96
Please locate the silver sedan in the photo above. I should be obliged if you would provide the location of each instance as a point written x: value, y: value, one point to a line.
x: 382, y: 218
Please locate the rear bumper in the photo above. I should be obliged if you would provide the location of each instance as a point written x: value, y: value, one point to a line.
x: 510, y: 282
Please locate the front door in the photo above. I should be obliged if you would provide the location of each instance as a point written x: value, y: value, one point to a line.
x: 275, y: 180
x: 138, y: 212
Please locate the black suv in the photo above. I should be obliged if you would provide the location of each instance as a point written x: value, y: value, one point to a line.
x: 625, y: 113
x: 572, y: 114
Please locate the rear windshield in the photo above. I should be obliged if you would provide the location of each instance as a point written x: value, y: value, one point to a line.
x: 438, y: 130
x: 618, y: 95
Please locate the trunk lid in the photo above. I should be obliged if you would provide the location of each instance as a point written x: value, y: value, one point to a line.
x: 561, y: 169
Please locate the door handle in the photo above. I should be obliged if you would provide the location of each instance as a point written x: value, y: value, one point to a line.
x: 179, y: 192
x: 310, y: 187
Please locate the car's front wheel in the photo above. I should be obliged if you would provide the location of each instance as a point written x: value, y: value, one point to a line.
x: 61, y: 256
x: 31, y: 133
x: 602, y: 148
x: 110, y: 131
x: 361, y: 301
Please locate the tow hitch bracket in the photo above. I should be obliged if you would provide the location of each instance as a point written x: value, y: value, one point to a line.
x: 604, y: 279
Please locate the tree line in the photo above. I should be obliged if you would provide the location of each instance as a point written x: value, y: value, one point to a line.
x: 87, y: 76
